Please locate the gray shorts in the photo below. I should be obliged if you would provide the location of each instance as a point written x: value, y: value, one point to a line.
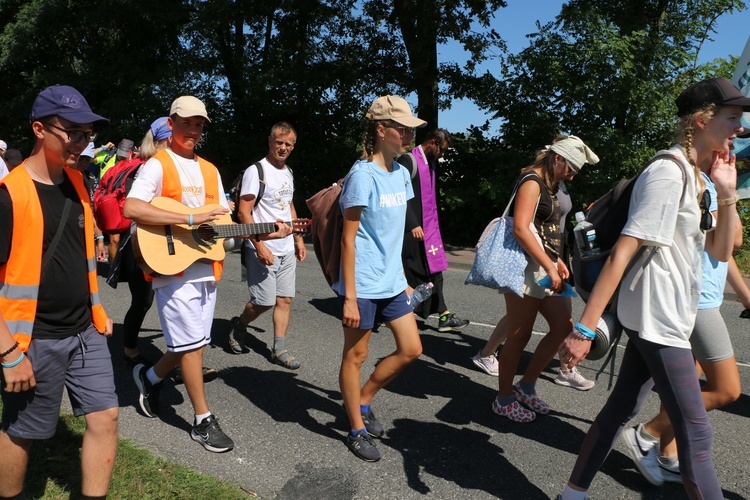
x: 265, y: 283
x: 80, y: 363
x: 710, y: 338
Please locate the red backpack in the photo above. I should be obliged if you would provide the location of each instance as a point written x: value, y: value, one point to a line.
x: 109, y: 197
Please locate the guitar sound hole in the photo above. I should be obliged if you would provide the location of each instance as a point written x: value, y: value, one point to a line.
x: 206, y: 232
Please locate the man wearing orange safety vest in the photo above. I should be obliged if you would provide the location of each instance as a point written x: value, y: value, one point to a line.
x: 54, y: 328
x: 185, y: 302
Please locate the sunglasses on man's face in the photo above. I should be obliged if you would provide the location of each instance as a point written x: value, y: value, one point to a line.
x: 707, y: 220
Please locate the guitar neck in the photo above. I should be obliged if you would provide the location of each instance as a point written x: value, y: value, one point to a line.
x: 233, y: 230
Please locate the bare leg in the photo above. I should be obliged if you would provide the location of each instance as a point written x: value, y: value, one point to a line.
x: 352, y: 358
x: 408, y: 349
x: 498, y: 335
x: 721, y: 388
x: 521, y: 315
x: 281, y: 314
x: 98, y: 451
x: 14, y: 456
x: 192, y: 374
x: 251, y: 312
x: 557, y: 312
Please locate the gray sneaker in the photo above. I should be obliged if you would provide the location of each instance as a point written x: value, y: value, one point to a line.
x: 645, y: 456
x: 373, y: 426
x: 363, y: 446
x: 237, y: 336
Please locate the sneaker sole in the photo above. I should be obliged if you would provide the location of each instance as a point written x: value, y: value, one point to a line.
x: 142, y: 400
x: 634, y: 450
x: 577, y: 387
x: 483, y: 368
x: 210, y: 448
x: 450, y: 328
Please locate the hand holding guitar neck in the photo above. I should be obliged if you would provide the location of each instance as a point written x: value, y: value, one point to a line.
x: 282, y: 231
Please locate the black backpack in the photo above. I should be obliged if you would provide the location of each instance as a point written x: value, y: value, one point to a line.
x: 410, y: 162
x: 608, y: 216
x: 234, y: 193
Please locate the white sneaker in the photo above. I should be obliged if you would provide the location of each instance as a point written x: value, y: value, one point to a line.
x: 671, y: 473
x: 574, y: 379
x: 488, y: 365
x: 644, y: 454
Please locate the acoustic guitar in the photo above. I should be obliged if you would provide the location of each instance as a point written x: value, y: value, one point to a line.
x: 169, y: 249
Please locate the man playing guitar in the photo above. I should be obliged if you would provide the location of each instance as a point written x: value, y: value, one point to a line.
x: 185, y: 301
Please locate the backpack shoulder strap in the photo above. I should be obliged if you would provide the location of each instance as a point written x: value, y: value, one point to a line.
x: 409, y: 162
x: 261, y: 182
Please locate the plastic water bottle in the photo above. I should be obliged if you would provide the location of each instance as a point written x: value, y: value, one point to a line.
x: 585, y: 236
x: 420, y: 294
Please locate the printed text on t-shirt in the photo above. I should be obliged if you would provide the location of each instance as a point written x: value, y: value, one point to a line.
x: 393, y: 199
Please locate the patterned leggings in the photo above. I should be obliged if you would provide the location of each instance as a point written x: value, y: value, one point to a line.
x: 672, y: 370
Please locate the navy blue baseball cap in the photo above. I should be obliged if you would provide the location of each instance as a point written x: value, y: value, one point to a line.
x: 66, y: 102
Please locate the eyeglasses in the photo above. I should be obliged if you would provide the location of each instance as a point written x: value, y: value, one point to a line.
x: 707, y: 219
x: 75, y: 135
x: 404, y: 131
x: 571, y: 171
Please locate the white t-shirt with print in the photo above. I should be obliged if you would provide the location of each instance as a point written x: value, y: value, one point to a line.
x: 661, y: 303
x: 3, y: 168
x: 276, y: 202
x: 148, y: 185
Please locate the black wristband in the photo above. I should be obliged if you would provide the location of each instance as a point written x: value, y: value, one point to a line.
x: 13, y: 348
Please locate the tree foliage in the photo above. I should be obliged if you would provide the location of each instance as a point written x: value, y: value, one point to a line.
x: 607, y: 71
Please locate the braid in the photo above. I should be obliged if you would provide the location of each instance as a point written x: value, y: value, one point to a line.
x: 686, y: 133
x: 368, y: 142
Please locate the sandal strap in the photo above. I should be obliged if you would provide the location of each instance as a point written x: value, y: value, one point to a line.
x: 284, y: 357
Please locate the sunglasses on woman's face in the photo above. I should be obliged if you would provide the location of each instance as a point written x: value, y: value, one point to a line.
x: 707, y: 219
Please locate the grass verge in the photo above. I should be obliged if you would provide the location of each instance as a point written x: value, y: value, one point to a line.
x: 55, y: 471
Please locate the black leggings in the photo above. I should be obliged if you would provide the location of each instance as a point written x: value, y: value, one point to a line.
x: 672, y: 370
x: 142, y: 296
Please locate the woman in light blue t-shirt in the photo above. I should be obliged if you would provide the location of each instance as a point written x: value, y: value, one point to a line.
x: 372, y: 287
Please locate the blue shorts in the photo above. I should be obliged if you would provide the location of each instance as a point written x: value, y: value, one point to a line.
x: 80, y: 363
x: 376, y: 311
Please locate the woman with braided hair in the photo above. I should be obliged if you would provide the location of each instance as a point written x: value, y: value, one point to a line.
x: 664, y: 236
x: 372, y: 286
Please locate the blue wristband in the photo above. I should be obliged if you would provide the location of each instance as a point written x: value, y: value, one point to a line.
x: 585, y: 331
x: 14, y: 363
x: 190, y: 220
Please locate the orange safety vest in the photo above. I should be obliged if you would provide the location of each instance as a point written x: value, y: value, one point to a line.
x: 20, y: 275
x: 171, y: 187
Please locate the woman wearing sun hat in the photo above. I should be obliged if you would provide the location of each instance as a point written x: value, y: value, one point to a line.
x: 372, y: 286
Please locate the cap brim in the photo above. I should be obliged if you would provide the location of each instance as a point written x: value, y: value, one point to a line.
x: 85, y: 117
x: 409, y: 121
x: 739, y: 101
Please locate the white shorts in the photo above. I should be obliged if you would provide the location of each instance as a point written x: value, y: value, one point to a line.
x: 186, y: 313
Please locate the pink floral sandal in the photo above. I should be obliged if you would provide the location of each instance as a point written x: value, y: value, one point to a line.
x: 531, y: 401
x: 514, y: 412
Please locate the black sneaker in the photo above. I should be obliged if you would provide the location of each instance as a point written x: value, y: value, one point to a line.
x: 209, y: 434
x: 148, y: 397
x: 237, y: 336
x: 374, y: 428
x: 362, y: 446
x: 450, y: 322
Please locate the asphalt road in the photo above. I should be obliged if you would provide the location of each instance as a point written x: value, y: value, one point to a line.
x: 442, y: 439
